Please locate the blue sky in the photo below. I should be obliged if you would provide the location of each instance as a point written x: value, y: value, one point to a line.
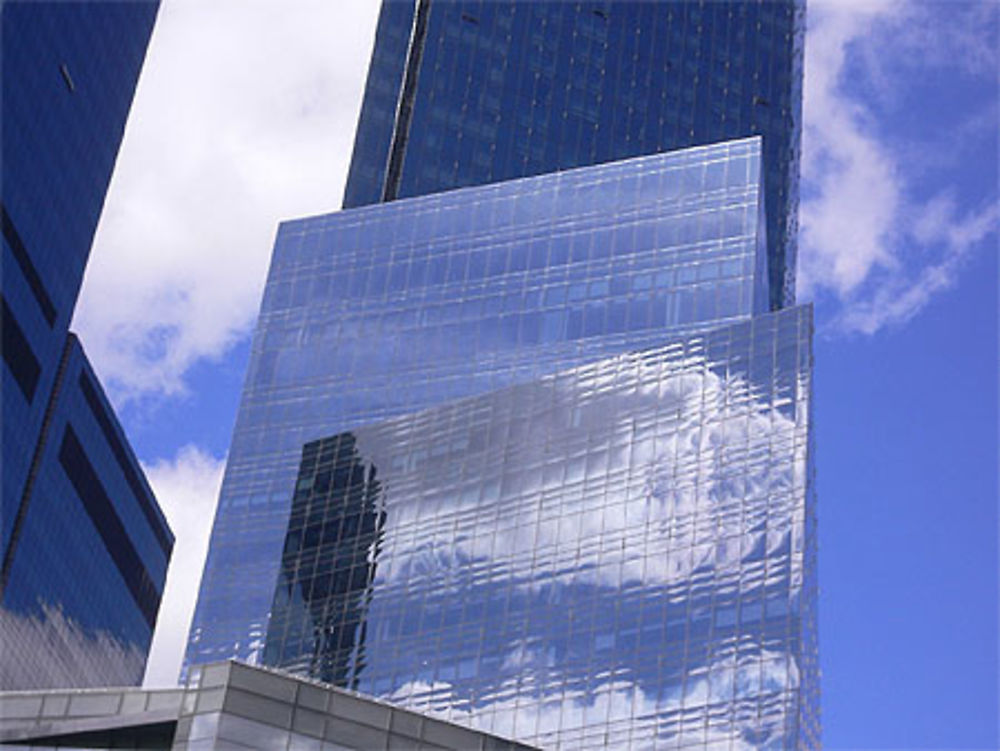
x: 245, y: 116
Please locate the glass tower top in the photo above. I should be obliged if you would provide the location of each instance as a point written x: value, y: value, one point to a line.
x: 521, y: 443
x: 68, y: 74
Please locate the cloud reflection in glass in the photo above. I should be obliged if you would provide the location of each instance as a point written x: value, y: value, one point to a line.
x: 613, y: 555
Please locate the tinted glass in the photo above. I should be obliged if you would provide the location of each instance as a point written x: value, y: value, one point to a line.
x: 376, y: 312
x: 613, y: 556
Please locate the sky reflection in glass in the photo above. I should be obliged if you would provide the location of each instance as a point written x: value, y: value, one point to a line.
x: 616, y: 555
x: 376, y: 312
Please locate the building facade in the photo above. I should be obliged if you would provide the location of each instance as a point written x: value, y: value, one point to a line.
x: 74, y: 496
x: 613, y: 556
x: 525, y: 436
x: 229, y: 706
x: 380, y: 311
x: 467, y: 93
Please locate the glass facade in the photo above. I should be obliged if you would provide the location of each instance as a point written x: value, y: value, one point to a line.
x: 467, y: 93
x: 611, y: 556
x: 525, y: 436
x: 89, y: 552
x: 80, y: 576
x: 69, y: 71
x: 384, y: 310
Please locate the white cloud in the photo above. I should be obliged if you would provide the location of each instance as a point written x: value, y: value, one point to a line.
x: 844, y: 230
x: 187, y: 488
x: 878, y: 237
x: 901, y: 298
x: 244, y: 115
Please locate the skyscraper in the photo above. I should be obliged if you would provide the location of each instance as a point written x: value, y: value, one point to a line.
x: 84, y: 544
x: 466, y: 93
x: 532, y: 452
x: 616, y: 547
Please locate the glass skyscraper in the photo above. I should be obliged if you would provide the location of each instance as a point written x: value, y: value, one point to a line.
x: 525, y: 438
x: 466, y: 93
x: 84, y: 545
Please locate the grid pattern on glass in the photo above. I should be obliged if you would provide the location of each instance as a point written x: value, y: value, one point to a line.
x: 508, y: 89
x: 380, y: 311
x: 612, y: 556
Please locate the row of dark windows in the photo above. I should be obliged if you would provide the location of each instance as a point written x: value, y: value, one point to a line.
x: 18, y: 355
x: 109, y: 526
x: 36, y: 459
x: 128, y: 470
x: 20, y: 253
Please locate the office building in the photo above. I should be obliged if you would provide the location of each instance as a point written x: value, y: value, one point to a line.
x: 69, y: 72
x: 384, y: 310
x: 229, y: 705
x: 613, y: 556
x: 466, y: 93
x: 84, y: 545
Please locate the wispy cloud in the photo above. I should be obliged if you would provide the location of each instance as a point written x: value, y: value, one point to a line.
x: 244, y: 115
x: 187, y: 488
x: 883, y: 228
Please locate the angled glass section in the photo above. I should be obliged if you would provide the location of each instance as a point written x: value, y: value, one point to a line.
x: 376, y: 312
x: 619, y: 555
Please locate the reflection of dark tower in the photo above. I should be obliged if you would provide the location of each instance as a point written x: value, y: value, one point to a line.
x: 317, y: 624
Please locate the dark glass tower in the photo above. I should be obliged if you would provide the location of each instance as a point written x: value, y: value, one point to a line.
x: 328, y: 565
x: 466, y: 93
x: 84, y: 545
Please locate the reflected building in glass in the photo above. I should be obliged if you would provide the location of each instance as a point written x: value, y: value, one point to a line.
x: 479, y: 91
x: 84, y: 544
x: 384, y: 310
x: 328, y: 565
x: 617, y: 555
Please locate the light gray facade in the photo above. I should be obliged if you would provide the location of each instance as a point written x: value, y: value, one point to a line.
x: 228, y: 706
